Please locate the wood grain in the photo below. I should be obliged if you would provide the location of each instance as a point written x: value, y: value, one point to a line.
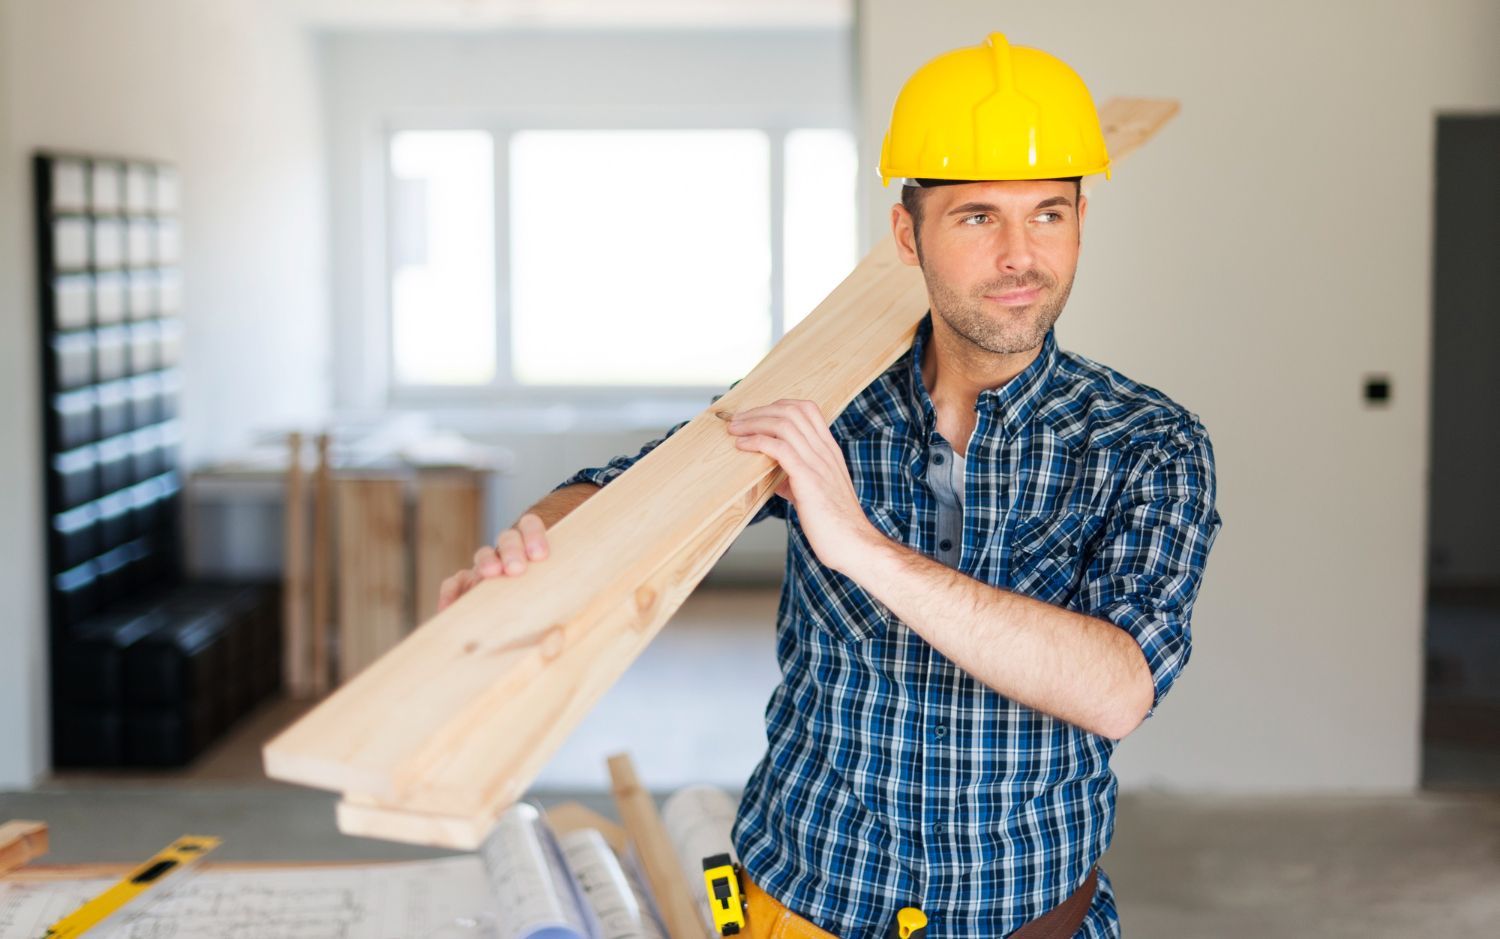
x: 450, y: 804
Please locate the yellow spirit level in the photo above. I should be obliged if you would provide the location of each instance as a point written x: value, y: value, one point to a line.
x: 182, y: 853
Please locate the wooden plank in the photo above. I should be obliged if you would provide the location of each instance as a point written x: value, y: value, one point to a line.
x: 322, y: 571
x: 453, y: 725
x: 1129, y: 122
x: 449, y: 512
x: 463, y: 794
x: 378, y: 735
x: 296, y: 639
x: 653, y: 847
x: 21, y: 841
x: 372, y: 584
x: 361, y: 816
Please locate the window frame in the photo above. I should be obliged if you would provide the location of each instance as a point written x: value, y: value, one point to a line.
x: 503, y: 389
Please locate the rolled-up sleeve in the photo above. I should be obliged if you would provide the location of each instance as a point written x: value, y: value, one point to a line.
x: 1144, y: 572
x: 602, y: 476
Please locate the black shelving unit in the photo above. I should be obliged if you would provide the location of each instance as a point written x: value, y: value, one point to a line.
x: 146, y: 669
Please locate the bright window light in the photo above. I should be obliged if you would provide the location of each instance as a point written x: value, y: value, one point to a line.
x: 820, y: 217
x: 442, y: 251
x: 639, y: 257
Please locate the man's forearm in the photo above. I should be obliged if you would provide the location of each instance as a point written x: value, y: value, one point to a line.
x: 1077, y: 668
x: 552, y: 507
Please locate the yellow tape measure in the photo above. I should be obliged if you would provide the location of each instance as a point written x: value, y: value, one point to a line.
x: 180, y: 854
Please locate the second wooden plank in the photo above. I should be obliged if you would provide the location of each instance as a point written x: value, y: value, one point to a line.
x: 653, y: 847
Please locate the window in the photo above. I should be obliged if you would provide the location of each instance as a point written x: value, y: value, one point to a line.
x: 626, y: 258
x: 442, y: 257
x: 639, y: 257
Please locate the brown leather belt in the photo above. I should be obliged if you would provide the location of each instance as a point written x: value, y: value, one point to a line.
x: 767, y: 918
x: 1063, y: 920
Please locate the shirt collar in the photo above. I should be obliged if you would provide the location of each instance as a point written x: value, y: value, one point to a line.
x: 1012, y: 403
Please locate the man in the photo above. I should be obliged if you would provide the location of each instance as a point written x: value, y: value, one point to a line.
x: 993, y: 554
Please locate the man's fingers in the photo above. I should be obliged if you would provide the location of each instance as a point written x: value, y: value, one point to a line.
x: 811, y: 409
x: 775, y: 448
x: 784, y: 423
x: 533, y: 536
x: 809, y: 419
x: 799, y: 424
x: 487, y: 561
x: 508, y: 556
x: 511, y: 552
x: 445, y: 594
x: 453, y: 588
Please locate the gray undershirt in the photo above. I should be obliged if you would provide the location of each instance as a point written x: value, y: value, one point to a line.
x: 945, y: 477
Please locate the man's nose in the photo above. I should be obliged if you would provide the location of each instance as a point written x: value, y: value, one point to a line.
x: 1013, y: 249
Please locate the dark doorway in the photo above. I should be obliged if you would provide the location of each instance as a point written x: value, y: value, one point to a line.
x: 1461, y: 729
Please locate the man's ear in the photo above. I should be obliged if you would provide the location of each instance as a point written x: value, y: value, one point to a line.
x: 1083, y: 211
x: 905, y: 233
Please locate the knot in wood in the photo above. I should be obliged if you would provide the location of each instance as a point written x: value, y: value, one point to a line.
x: 552, y: 643
x: 645, y: 599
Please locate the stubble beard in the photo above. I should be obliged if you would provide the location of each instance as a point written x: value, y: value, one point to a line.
x: 1007, y: 330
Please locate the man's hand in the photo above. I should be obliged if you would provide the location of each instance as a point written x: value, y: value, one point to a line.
x: 795, y: 435
x: 508, y: 557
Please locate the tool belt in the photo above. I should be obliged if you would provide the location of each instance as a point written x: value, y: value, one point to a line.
x: 768, y: 919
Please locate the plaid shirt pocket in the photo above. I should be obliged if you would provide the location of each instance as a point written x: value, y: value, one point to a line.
x: 1046, y: 556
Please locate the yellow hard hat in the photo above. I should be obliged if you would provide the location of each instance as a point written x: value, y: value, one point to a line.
x: 994, y: 111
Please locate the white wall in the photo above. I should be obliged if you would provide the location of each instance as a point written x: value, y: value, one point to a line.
x: 22, y: 650
x: 228, y: 91
x: 1261, y: 256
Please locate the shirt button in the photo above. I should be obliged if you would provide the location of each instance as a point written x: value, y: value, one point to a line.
x: 938, y: 829
x: 938, y: 459
x: 946, y: 544
x: 940, y: 731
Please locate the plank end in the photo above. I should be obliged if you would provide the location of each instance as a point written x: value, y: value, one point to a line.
x: 22, y: 841
x: 366, y: 819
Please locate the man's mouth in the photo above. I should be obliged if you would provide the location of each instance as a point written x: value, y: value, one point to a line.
x: 1020, y: 297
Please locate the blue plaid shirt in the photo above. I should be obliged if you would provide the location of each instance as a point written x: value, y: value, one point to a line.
x: 892, y: 777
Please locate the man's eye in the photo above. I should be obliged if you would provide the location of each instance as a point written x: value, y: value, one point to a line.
x: 969, y: 220
x: 1050, y: 216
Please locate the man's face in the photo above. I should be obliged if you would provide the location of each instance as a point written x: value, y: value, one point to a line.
x: 998, y: 257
